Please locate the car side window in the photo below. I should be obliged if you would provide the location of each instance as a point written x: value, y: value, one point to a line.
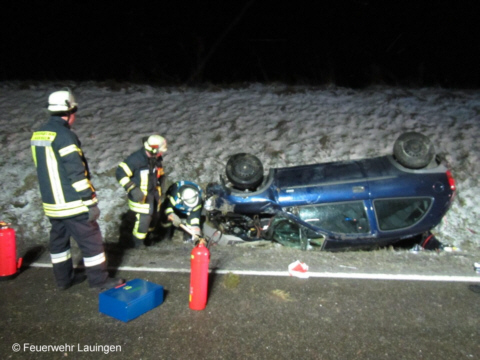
x: 290, y: 233
x: 344, y: 218
x: 393, y: 214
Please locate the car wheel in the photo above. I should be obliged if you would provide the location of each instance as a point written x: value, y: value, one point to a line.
x: 413, y: 150
x: 244, y: 171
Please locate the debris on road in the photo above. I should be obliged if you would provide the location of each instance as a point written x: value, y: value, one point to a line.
x: 298, y: 269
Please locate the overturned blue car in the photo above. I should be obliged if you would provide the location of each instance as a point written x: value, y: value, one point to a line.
x: 358, y: 204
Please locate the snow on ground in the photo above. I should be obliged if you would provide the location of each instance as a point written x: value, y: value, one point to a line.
x: 203, y: 126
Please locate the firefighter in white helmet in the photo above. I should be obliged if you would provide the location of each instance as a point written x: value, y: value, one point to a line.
x: 184, y: 204
x: 141, y: 175
x: 68, y: 196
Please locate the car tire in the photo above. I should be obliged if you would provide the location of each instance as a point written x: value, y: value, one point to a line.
x: 244, y: 171
x: 413, y: 150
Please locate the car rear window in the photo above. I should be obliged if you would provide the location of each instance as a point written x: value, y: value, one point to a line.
x: 344, y: 218
x: 393, y: 214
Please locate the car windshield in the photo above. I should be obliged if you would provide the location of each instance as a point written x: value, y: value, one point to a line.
x: 342, y: 218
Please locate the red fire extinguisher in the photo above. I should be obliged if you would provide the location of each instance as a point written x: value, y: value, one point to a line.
x: 8, y: 252
x: 199, y: 260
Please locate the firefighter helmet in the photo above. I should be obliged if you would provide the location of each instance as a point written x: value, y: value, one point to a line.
x: 155, y: 144
x: 189, y: 196
x: 62, y: 102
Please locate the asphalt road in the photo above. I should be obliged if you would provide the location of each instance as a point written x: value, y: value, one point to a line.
x: 247, y: 317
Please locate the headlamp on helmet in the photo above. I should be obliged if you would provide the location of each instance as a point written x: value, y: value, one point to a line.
x: 155, y: 144
x: 189, y: 196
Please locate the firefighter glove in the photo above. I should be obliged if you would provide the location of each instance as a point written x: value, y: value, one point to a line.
x: 174, y: 219
x: 93, y: 213
x: 137, y: 195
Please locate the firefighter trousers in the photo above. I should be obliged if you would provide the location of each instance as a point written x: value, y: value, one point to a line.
x: 89, y: 239
x: 145, y: 223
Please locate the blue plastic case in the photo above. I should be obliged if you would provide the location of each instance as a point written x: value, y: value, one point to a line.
x: 130, y: 300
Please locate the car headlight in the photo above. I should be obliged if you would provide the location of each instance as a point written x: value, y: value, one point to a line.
x: 210, y: 203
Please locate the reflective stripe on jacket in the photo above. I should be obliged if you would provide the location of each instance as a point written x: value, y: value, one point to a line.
x: 62, y: 170
x: 138, y: 170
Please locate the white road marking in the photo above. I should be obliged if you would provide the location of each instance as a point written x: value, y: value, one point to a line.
x: 312, y: 274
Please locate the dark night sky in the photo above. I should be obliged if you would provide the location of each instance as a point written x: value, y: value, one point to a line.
x: 349, y: 43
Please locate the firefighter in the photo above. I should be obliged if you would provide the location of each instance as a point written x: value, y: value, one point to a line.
x: 141, y: 175
x: 183, y: 205
x: 68, y: 196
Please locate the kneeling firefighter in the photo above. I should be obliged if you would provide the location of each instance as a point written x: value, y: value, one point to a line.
x: 183, y: 205
x: 141, y: 175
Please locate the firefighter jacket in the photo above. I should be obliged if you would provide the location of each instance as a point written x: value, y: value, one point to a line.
x: 176, y: 204
x: 138, y: 170
x: 62, y: 170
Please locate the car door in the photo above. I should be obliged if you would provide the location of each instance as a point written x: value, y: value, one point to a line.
x: 320, y: 184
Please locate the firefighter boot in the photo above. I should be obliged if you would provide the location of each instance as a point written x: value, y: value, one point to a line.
x: 165, y: 233
x: 65, y: 275
x: 78, y: 278
x: 99, y: 279
x: 137, y: 243
x: 109, y: 283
